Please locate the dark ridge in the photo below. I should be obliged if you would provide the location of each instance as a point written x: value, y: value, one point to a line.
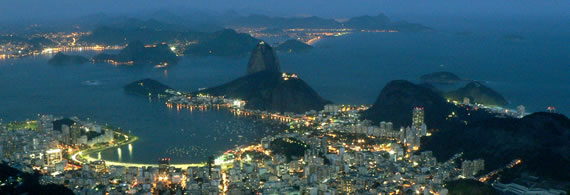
x: 469, y: 187
x: 29, y: 183
x: 541, y: 140
x: 62, y: 59
x: 441, y: 78
x: 65, y: 121
x: 478, y: 93
x: 226, y: 42
x: 271, y: 92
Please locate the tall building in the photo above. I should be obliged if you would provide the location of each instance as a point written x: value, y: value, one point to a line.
x: 418, y: 117
x: 521, y: 111
x: 75, y: 133
x: 65, y: 134
x: 471, y: 168
x: 389, y: 126
x: 467, y: 169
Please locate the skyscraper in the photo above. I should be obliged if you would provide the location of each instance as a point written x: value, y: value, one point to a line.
x: 418, y: 117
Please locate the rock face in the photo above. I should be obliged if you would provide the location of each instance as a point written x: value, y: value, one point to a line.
x: 270, y: 91
x: 478, y: 93
x: 263, y: 58
x: 147, y: 87
x: 441, y: 78
x: 62, y: 59
x: 399, y: 97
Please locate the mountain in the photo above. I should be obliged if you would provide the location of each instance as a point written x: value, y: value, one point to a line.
x: 284, y: 22
x: 138, y: 53
x: 147, y: 87
x: 271, y: 91
x: 293, y: 46
x: 540, y: 140
x: 121, y: 35
x: 397, y: 100
x: 226, y: 42
x: 441, y: 78
x: 62, y: 59
x: 368, y: 22
x: 378, y: 22
x: 263, y: 58
x: 478, y: 93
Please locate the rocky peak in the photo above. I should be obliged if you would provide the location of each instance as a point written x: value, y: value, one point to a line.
x: 263, y: 58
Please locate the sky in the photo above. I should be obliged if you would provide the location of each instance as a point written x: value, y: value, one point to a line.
x: 18, y: 10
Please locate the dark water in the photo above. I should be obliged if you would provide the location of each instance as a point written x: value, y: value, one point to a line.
x: 351, y: 70
x: 534, y: 72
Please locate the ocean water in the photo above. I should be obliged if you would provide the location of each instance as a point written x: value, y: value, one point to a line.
x: 352, y: 69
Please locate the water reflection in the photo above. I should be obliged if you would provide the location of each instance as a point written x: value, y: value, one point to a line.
x: 119, y: 154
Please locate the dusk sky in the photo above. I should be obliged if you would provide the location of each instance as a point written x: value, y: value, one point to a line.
x: 12, y: 10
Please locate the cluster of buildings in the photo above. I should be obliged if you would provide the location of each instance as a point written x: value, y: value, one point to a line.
x: 180, y: 100
x: 328, y: 152
x: 470, y: 168
x: 12, y: 46
x: 43, y: 144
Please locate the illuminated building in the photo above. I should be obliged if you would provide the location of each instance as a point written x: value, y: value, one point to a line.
x: 418, y: 117
x: 98, y: 166
x: 520, y: 111
x: 65, y: 134
x: 75, y: 134
x: 53, y: 157
x: 471, y: 168
x: 466, y: 101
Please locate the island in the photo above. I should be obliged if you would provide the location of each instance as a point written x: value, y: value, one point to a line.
x: 476, y: 92
x: 138, y: 53
x: 62, y: 59
x: 293, y: 46
x: 147, y: 87
x: 441, y: 78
